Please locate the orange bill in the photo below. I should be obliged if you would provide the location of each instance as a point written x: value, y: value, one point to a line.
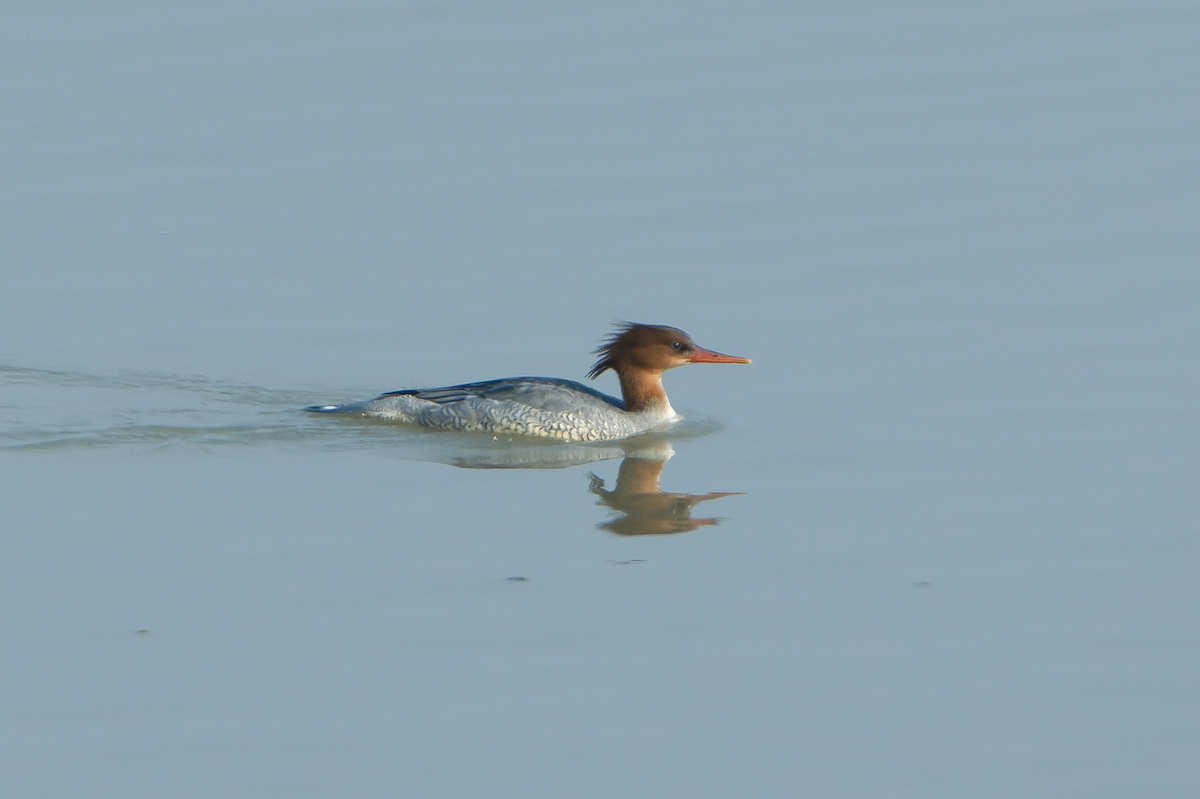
x: 701, y: 355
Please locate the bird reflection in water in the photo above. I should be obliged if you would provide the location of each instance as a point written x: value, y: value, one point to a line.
x: 646, y: 509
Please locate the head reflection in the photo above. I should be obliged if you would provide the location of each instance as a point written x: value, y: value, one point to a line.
x: 644, y: 507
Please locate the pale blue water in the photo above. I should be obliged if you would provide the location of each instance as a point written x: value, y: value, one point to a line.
x: 959, y: 243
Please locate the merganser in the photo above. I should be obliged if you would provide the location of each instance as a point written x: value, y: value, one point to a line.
x: 546, y: 407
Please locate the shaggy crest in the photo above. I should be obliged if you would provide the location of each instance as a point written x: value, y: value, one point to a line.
x: 605, y: 350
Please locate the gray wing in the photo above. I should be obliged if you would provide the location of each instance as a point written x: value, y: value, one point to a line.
x: 537, y: 392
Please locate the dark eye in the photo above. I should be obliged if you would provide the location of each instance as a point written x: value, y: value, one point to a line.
x: 677, y: 346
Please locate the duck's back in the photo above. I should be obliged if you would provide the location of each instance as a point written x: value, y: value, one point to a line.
x: 528, y: 406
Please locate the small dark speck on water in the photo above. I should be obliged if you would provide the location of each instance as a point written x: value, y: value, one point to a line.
x: 142, y: 632
x: 922, y: 584
x: 517, y: 579
x: 626, y: 562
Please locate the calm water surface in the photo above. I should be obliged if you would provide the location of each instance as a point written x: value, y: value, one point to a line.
x: 939, y: 540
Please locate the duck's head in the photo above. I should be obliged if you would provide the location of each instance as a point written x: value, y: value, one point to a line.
x: 652, y: 348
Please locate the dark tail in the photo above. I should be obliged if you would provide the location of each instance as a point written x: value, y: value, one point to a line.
x: 325, y: 408
x: 349, y: 407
